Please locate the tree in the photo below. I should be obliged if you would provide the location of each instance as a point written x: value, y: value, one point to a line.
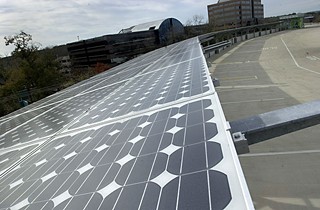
x: 25, y: 53
x: 28, y: 71
x: 37, y: 69
x: 198, y: 25
x: 48, y: 69
x: 24, y: 48
x: 3, y: 72
x: 196, y: 20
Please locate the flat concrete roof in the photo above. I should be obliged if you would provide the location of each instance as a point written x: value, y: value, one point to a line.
x: 265, y: 74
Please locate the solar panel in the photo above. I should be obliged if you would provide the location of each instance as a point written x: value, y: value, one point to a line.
x: 148, y: 134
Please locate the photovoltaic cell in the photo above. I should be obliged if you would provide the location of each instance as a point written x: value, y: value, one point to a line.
x: 151, y: 138
x: 47, y: 121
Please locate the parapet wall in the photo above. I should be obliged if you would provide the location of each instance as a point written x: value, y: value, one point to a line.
x: 214, y: 43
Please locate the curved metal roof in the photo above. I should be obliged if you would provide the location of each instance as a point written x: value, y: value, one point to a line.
x: 154, y: 25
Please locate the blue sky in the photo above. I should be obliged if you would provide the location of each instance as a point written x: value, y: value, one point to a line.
x: 54, y: 22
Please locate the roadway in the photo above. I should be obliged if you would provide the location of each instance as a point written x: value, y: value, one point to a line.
x: 265, y: 74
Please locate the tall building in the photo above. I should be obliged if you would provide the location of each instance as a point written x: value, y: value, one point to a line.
x: 235, y: 13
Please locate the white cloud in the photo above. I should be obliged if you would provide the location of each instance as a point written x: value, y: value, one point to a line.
x: 53, y: 22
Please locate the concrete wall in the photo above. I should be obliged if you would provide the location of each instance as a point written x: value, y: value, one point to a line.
x: 250, y: 36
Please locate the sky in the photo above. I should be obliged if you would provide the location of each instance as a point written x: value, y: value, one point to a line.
x: 54, y: 22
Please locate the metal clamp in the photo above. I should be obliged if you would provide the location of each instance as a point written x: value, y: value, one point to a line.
x: 240, y: 143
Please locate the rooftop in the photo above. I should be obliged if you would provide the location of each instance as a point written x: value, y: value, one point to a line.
x: 153, y: 25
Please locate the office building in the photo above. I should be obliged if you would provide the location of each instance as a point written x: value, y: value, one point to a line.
x: 128, y: 43
x: 235, y: 13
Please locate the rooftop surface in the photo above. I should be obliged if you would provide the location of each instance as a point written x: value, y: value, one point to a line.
x: 266, y: 74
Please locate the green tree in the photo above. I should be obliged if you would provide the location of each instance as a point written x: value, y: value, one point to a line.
x: 48, y: 69
x: 36, y: 68
x: 3, y: 72
x: 28, y: 71
x: 25, y: 53
x: 24, y: 48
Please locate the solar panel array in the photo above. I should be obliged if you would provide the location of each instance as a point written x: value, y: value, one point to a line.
x: 148, y: 134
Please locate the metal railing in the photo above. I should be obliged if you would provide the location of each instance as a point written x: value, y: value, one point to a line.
x: 216, y: 46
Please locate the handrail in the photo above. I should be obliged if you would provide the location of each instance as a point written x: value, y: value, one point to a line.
x: 216, y: 46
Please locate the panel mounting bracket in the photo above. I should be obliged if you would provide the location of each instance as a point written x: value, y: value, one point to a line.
x: 241, y: 143
x: 269, y: 125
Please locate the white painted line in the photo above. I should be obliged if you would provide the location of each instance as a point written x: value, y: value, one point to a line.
x: 311, y: 58
x: 295, y: 61
x: 249, y: 51
x: 248, y: 86
x: 239, y: 78
x: 281, y: 153
x: 251, y: 101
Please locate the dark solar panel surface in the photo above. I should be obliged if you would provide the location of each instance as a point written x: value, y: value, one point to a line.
x: 46, y: 121
x: 148, y: 134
